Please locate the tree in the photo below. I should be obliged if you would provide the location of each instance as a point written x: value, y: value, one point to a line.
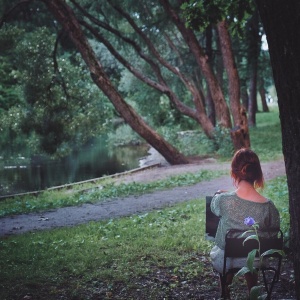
x: 254, y: 49
x: 55, y: 119
x: 157, y: 62
x: 240, y: 133
x: 282, y: 26
x: 68, y: 20
x: 144, y: 23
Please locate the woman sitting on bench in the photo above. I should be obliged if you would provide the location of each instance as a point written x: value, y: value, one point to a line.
x: 234, y: 207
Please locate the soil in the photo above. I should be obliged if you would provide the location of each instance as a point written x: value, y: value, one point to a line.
x: 202, y: 287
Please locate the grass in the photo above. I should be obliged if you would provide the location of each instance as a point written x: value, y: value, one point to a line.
x: 95, y: 260
x: 266, y: 136
x: 107, y: 190
x: 75, y: 260
x: 109, y: 251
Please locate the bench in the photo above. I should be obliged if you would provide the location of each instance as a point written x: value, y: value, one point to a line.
x: 235, y: 247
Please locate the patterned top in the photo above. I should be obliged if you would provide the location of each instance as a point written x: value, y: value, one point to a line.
x: 233, y: 210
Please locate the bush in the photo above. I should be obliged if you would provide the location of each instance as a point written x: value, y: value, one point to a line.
x: 124, y: 136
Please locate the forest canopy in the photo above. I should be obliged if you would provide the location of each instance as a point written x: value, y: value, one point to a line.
x: 174, y: 65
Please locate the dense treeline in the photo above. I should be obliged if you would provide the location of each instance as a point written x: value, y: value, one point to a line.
x: 179, y: 66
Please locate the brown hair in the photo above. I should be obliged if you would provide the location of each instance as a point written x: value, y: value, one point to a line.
x: 246, y: 166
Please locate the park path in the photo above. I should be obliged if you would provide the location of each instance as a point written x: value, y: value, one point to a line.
x: 118, y: 207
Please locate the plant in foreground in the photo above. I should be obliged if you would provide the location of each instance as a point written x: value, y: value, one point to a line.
x: 251, y: 265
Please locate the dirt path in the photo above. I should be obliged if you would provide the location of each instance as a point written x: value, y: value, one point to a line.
x: 70, y: 216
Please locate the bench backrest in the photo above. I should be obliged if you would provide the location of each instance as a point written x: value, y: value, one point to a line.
x: 212, y: 221
x: 236, y: 247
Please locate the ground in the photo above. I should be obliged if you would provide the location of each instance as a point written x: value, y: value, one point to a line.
x: 172, y: 287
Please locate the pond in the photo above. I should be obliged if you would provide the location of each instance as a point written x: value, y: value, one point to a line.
x: 21, y: 174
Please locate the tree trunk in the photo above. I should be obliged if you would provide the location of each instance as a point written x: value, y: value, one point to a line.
x: 282, y: 26
x: 222, y: 111
x: 244, y: 94
x: 210, y: 107
x: 66, y: 17
x: 252, y: 105
x: 254, y: 49
x: 240, y: 133
x: 219, y: 62
x: 263, y: 98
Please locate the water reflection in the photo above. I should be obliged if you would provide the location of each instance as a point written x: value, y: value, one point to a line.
x: 92, y: 161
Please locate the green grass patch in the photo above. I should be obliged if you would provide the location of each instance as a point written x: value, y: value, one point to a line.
x: 277, y: 190
x: 92, y: 260
x: 62, y: 198
x: 112, y: 251
x: 266, y: 136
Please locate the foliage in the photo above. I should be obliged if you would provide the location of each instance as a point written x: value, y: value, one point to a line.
x: 200, y: 14
x: 194, y: 142
x: 9, y: 94
x: 223, y: 142
x: 188, y: 142
x: 63, y: 107
x: 123, y: 136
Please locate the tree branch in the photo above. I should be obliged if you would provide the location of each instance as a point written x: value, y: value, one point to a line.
x: 162, y: 87
x: 188, y: 35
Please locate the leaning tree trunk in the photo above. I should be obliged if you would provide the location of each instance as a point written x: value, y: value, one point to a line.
x: 66, y: 17
x: 239, y: 133
x: 282, y: 26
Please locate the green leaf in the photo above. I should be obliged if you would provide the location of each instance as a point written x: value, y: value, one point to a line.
x: 242, y: 272
x: 251, y: 237
x: 272, y: 251
x: 263, y: 297
x: 246, y: 232
x: 255, y: 293
x: 250, y: 260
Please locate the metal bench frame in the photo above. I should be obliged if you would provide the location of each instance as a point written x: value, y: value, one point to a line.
x: 235, y: 247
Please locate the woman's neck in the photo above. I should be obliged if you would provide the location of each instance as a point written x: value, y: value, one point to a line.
x: 246, y: 190
x: 243, y: 184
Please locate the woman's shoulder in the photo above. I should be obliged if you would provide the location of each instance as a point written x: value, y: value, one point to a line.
x: 227, y: 195
x: 224, y: 197
x: 272, y: 204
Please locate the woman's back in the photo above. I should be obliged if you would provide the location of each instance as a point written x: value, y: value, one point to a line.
x: 233, y: 210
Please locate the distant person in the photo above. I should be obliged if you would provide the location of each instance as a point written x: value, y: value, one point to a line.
x: 235, y: 207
